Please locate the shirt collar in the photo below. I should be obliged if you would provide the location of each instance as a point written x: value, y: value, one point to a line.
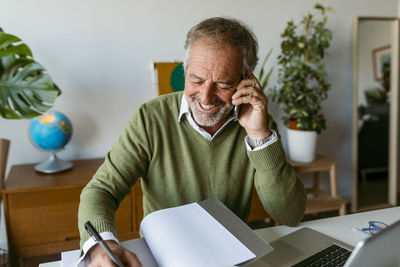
x: 184, y: 108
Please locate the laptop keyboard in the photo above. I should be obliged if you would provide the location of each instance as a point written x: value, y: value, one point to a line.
x: 331, y: 256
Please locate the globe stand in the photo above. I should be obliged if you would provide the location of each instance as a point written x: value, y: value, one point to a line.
x: 53, y: 165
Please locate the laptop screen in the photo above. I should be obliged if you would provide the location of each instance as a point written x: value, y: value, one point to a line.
x: 381, y: 249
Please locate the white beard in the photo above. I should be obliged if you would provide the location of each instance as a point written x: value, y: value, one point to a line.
x: 207, y: 119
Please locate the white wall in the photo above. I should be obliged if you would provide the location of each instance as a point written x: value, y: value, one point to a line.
x: 100, y: 53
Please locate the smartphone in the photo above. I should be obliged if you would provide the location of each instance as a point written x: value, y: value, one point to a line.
x: 237, y: 111
x: 237, y: 108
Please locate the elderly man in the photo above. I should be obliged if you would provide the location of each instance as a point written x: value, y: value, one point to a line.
x: 190, y: 146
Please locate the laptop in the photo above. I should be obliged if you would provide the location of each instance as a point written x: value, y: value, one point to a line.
x: 304, y: 246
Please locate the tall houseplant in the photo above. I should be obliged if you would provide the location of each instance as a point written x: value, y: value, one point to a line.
x: 302, y: 83
x: 26, y: 89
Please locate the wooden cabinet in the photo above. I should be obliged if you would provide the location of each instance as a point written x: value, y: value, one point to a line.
x: 41, y: 210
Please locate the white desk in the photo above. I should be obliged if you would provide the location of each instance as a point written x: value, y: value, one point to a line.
x: 338, y: 227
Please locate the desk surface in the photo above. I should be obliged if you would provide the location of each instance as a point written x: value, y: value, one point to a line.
x: 338, y: 227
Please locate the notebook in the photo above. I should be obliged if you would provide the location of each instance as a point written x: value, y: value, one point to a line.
x: 381, y: 249
x: 206, y: 233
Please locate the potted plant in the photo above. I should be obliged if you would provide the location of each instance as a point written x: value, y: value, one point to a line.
x: 302, y: 83
x: 26, y: 89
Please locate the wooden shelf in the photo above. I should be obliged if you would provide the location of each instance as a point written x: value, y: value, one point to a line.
x: 319, y: 201
x: 323, y: 204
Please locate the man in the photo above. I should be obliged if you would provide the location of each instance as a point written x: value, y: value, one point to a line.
x: 188, y: 146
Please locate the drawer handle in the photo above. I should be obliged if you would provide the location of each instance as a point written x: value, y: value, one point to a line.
x: 69, y: 238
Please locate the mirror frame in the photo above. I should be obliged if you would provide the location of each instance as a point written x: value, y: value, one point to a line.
x: 394, y: 148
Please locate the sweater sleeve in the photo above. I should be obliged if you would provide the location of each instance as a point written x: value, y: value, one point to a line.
x: 126, y: 161
x: 278, y: 186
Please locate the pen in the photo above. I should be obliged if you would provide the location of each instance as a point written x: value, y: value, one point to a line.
x: 89, y: 227
x: 359, y: 231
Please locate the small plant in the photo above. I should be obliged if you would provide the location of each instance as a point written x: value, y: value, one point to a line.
x: 264, y: 77
x: 26, y: 89
x: 302, y: 83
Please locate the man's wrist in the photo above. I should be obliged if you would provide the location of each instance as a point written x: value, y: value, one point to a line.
x: 90, y: 243
x: 257, y: 142
x: 259, y: 135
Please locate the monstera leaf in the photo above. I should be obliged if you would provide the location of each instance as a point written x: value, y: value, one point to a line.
x: 26, y: 89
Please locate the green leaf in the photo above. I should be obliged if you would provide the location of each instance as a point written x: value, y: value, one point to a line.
x: 21, y: 49
x: 320, y: 7
x: 26, y: 89
x: 265, y: 60
x: 264, y: 79
x: 7, y: 39
x: 10, y: 44
x: 264, y: 83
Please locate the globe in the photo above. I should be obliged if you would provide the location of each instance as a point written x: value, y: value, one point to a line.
x: 51, y: 132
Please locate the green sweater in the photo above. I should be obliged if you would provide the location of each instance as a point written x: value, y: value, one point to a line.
x: 179, y: 166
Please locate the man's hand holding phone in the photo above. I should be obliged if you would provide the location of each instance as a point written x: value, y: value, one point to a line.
x: 252, y: 105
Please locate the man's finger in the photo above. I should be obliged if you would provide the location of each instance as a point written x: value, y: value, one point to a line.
x: 246, y: 91
x: 250, y: 74
x: 132, y: 259
x: 101, y: 259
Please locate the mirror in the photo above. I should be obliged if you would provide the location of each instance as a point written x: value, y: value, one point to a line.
x: 375, y: 113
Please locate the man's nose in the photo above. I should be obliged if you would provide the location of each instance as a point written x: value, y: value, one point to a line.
x: 206, y: 93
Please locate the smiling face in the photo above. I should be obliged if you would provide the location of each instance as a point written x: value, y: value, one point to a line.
x: 213, y: 72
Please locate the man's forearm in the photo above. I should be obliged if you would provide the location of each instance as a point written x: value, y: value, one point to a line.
x: 97, y: 207
x: 278, y: 185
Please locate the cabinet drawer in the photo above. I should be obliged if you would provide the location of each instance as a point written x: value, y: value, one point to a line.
x: 42, y: 217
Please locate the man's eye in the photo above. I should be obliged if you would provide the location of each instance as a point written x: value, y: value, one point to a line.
x: 224, y: 87
x: 196, y: 82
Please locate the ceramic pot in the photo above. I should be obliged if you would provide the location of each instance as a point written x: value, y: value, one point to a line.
x: 302, y: 145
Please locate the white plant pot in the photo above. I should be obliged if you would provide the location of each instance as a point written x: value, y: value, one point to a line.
x: 302, y: 145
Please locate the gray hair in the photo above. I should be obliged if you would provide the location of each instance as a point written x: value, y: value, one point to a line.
x: 223, y: 30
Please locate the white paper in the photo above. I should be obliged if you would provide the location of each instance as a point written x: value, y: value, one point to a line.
x: 69, y: 258
x: 189, y: 236
x: 142, y: 251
